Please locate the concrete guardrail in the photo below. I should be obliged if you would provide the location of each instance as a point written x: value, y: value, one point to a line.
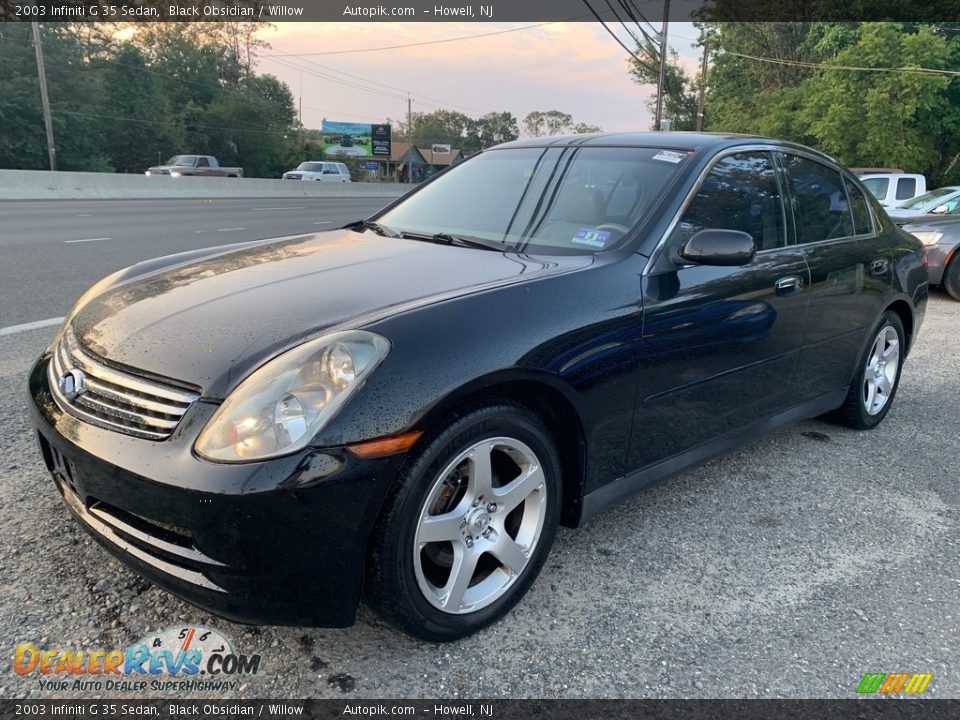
x: 46, y: 185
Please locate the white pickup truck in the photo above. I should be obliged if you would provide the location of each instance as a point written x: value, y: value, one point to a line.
x: 893, y: 188
x: 200, y: 165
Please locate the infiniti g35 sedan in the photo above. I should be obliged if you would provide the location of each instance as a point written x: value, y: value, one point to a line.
x: 406, y: 408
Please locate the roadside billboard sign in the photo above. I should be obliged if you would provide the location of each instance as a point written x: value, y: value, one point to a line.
x: 355, y: 139
x: 438, y: 149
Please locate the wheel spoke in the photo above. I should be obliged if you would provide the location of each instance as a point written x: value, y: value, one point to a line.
x: 892, y: 351
x: 871, y: 393
x: 517, y: 491
x: 507, y: 551
x: 876, y: 353
x: 884, y: 385
x: 464, y: 565
x: 439, y: 528
x: 481, y: 473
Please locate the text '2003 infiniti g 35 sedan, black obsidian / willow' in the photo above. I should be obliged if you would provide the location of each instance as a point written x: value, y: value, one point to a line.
x: 407, y: 408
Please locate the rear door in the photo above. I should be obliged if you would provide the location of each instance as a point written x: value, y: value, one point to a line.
x: 850, y: 271
x: 720, y: 344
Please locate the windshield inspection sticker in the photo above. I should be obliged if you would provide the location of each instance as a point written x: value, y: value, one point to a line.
x: 669, y: 156
x: 593, y: 238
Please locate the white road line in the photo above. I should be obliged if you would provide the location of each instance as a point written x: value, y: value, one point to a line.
x: 297, y: 207
x: 199, y: 232
x: 229, y: 229
x: 30, y: 326
x: 87, y: 240
x: 324, y: 222
x: 84, y: 214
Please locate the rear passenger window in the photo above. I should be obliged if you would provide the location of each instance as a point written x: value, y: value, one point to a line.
x: 858, y: 205
x: 740, y: 193
x: 906, y: 188
x: 821, y: 211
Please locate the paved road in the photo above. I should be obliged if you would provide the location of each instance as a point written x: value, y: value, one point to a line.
x: 788, y: 568
x: 53, y: 250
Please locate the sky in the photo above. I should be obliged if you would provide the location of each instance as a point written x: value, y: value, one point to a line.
x: 576, y: 68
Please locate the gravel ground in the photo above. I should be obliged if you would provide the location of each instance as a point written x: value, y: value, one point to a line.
x: 786, y: 569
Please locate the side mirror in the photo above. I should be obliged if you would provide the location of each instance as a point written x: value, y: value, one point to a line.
x: 940, y: 209
x: 719, y: 247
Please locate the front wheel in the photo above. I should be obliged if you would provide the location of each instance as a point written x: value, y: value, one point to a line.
x: 468, y: 526
x: 878, y: 375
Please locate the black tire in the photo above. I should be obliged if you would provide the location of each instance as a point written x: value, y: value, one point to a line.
x: 853, y: 413
x: 951, y: 277
x: 392, y: 587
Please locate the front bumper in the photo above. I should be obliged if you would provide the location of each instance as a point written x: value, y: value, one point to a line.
x: 278, y: 542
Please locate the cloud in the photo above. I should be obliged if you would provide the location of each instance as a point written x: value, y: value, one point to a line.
x: 573, y: 67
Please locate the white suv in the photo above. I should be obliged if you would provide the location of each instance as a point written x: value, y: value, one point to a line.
x: 319, y: 171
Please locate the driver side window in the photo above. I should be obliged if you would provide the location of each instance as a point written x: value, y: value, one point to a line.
x: 740, y: 193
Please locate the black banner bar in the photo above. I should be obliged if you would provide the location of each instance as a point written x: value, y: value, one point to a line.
x: 471, y: 10
x: 864, y: 709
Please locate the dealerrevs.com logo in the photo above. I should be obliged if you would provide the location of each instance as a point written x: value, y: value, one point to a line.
x: 894, y: 683
x: 176, y: 658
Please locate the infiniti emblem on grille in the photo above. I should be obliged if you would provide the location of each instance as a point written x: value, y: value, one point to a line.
x: 73, y: 383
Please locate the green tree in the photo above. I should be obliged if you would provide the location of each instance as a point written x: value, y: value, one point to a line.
x: 794, y: 81
x: 131, y: 91
x: 679, y: 90
x: 553, y: 122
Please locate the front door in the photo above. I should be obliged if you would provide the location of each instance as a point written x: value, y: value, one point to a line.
x: 720, y: 344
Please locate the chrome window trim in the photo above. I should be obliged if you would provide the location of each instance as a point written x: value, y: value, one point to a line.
x: 726, y: 152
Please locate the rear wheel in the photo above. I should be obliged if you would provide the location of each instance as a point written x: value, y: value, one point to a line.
x: 469, y: 525
x: 951, y: 277
x: 875, y: 384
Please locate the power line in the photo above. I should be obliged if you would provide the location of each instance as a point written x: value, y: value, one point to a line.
x: 384, y: 85
x: 614, y: 35
x: 821, y: 66
x: 427, y: 42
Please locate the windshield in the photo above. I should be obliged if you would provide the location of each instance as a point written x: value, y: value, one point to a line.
x: 877, y: 186
x: 310, y: 166
x: 542, y: 199
x: 926, y: 198
x: 181, y: 160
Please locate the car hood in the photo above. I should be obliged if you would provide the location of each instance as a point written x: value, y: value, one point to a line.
x: 210, y: 322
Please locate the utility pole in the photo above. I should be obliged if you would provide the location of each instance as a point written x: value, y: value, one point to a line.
x: 703, y: 85
x: 410, y: 133
x: 44, y: 99
x: 301, y: 108
x: 664, y: 49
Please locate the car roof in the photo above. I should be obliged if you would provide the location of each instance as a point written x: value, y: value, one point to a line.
x: 668, y: 140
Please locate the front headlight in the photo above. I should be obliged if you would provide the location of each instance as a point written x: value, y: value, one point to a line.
x: 928, y: 237
x: 280, y: 407
x: 174, y: 173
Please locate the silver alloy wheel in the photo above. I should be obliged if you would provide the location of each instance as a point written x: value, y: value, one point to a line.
x: 881, y: 371
x: 479, y: 525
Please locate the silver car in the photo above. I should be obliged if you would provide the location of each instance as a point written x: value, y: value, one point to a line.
x: 937, y: 202
x: 941, y: 236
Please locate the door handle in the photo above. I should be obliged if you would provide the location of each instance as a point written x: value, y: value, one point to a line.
x: 788, y: 285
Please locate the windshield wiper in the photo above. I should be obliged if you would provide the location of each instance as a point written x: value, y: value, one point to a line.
x: 461, y: 240
x: 361, y: 225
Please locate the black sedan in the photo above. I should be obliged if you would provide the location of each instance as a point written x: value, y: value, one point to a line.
x: 408, y: 407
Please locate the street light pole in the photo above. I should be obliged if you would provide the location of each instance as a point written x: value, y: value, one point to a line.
x: 664, y: 49
x: 44, y: 99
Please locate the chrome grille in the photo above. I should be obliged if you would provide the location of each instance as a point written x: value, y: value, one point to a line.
x: 116, y: 400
